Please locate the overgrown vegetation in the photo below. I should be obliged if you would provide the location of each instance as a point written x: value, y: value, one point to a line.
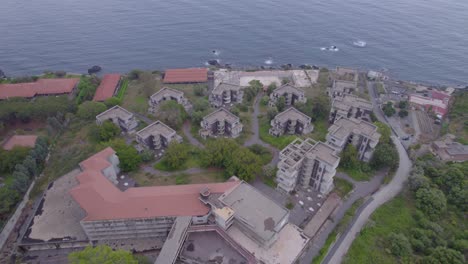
x: 87, y: 88
x: 104, y: 254
x: 425, y: 224
x: 458, y: 116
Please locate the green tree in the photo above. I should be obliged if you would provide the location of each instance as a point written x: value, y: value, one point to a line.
x: 403, y: 113
x: 384, y: 131
x: 30, y: 164
x: 128, y: 155
x: 265, y: 99
x: 89, y: 110
x: 271, y: 113
x: 271, y: 88
x: 21, y: 182
x: 388, y: 109
x: 197, y: 117
x: 9, y: 159
x: 199, y: 90
x: 8, y: 199
x: 281, y: 103
x: 349, y: 157
x: 86, y: 88
x: 111, y: 102
x: 176, y: 155
x: 134, y: 74
x: 443, y: 255
x: 431, y: 201
x: 101, y: 255
x: 218, y: 151
x: 256, y: 85
x: 201, y: 104
x: 321, y: 107
x: 108, y: 130
x: 399, y: 245
x: 403, y: 104
x: 172, y: 114
x: 244, y: 164
x: 385, y: 155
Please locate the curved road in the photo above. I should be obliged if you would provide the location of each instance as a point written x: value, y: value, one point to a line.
x: 341, y: 247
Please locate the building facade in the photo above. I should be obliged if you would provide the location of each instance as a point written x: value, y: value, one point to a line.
x: 361, y: 134
x: 166, y: 94
x: 157, y: 136
x: 221, y: 123
x: 291, y: 121
x: 290, y: 93
x: 307, y: 164
x: 350, y: 106
x: 119, y: 116
x: 226, y: 94
x: 341, y: 88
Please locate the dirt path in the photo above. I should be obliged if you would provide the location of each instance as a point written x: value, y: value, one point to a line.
x: 192, y: 140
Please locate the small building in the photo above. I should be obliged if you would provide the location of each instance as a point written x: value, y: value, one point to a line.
x: 438, y: 106
x: 42, y: 87
x: 226, y: 94
x: 220, y: 123
x: 350, y: 106
x: 346, y: 74
x: 341, y: 88
x: 374, y: 75
x: 291, y: 94
x: 449, y: 150
x: 309, y: 164
x: 106, y: 89
x: 291, y: 121
x: 362, y: 134
x: 157, y: 136
x: 166, y: 94
x: 189, y: 75
x: 28, y: 141
x: 119, y: 116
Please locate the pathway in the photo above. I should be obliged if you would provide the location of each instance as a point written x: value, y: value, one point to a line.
x: 255, y: 138
x: 192, y: 140
x: 339, y: 250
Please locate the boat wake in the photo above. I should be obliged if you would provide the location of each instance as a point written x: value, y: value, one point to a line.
x: 360, y: 43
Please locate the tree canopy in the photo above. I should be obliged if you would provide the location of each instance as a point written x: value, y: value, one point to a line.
x: 172, y: 114
x: 128, y: 155
x: 90, y: 109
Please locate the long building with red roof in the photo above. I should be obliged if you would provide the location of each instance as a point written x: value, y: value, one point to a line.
x: 189, y: 75
x: 107, y: 88
x: 40, y: 87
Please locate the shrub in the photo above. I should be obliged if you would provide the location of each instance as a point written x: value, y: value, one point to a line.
x: 399, y: 245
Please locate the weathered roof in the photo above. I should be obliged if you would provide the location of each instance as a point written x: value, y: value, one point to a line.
x: 299, y: 148
x: 190, y: 75
x: 221, y: 114
x: 342, y: 85
x: 255, y: 209
x: 174, y: 241
x: 155, y: 128
x: 343, y: 127
x: 165, y: 91
x: 107, y: 87
x: 225, y: 87
x: 288, y: 88
x: 292, y: 114
x: 40, y: 87
x: 20, y: 141
x: 102, y: 200
x: 325, y: 153
x: 349, y: 100
x: 115, y: 111
x: 456, y: 148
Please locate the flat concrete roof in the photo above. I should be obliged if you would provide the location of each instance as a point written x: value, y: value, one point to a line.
x: 345, y: 126
x: 115, y: 111
x: 288, y: 88
x: 165, y: 91
x: 221, y: 114
x: 174, y: 241
x: 59, y: 215
x: 156, y: 128
x: 251, y: 206
x: 292, y: 114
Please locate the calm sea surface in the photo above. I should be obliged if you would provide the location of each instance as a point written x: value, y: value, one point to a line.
x: 422, y: 40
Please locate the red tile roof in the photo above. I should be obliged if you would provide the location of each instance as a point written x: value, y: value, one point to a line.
x: 40, y: 87
x: 190, y: 75
x: 107, y: 87
x: 20, y: 140
x: 102, y: 200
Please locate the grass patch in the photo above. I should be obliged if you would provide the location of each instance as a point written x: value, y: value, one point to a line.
x: 206, y: 176
x: 193, y: 161
x: 357, y: 174
x: 394, y: 216
x: 323, y: 251
x: 278, y: 142
x: 342, y: 186
x: 320, y: 130
x: 380, y: 88
x: 123, y: 89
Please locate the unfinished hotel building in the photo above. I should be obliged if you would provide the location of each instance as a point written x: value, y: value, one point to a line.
x: 290, y: 93
x: 119, y: 116
x: 350, y: 106
x: 157, y: 136
x: 166, y: 94
x: 95, y: 210
x: 307, y: 163
x: 291, y: 121
x: 361, y: 134
x: 226, y: 94
x: 220, y: 123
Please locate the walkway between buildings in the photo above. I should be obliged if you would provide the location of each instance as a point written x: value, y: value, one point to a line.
x: 192, y: 140
x: 174, y: 241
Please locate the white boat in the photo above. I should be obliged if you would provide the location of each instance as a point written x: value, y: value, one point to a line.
x: 359, y: 43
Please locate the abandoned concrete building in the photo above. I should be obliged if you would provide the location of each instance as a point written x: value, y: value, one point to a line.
x: 220, y: 123
x: 226, y: 94
x: 291, y: 94
x: 341, y: 88
x: 119, y: 116
x: 345, y: 74
x: 350, y: 106
x: 94, y: 210
x: 361, y: 134
x: 157, y: 136
x: 307, y: 163
x: 291, y: 121
x: 166, y: 94
x: 448, y: 150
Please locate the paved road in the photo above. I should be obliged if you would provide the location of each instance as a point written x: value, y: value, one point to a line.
x: 361, y: 190
x: 192, y: 140
x: 385, y: 194
x: 255, y: 138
